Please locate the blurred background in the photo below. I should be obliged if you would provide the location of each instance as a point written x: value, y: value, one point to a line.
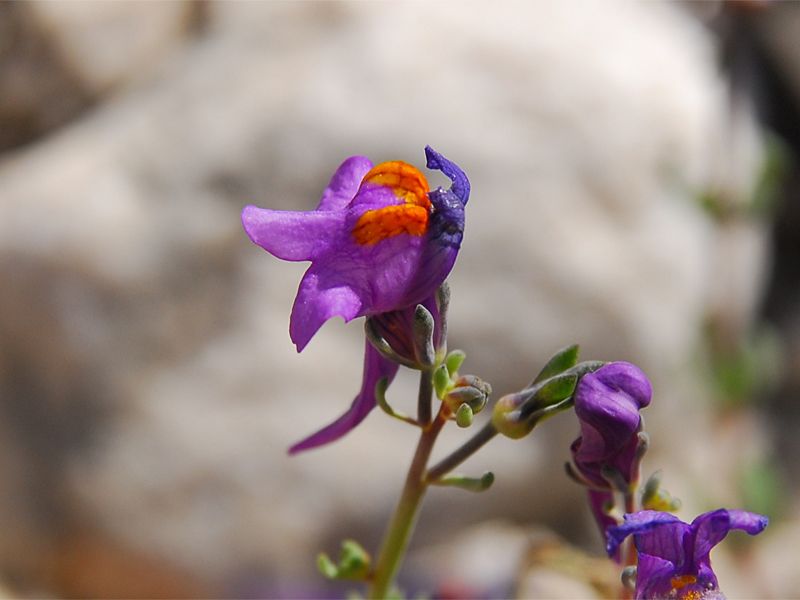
x: 635, y: 190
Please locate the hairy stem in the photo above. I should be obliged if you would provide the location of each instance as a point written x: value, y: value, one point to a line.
x: 397, y: 535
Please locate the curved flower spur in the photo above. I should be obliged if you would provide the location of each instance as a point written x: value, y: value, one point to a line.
x: 379, y: 242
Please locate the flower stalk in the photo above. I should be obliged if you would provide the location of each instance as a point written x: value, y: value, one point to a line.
x: 397, y: 535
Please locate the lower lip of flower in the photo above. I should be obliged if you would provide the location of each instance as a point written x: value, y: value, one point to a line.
x: 381, y: 223
x: 679, y: 583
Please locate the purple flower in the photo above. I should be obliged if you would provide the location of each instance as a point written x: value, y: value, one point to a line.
x: 607, y: 403
x: 379, y: 242
x: 674, y: 556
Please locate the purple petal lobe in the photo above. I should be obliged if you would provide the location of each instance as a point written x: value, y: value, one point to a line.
x: 461, y: 186
x: 653, y: 577
x: 319, y: 299
x: 641, y: 522
x: 375, y: 368
x: 292, y: 235
x: 598, y: 499
x: 711, y: 528
x: 344, y: 183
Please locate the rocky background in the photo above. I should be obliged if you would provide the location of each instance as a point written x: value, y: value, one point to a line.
x: 634, y: 190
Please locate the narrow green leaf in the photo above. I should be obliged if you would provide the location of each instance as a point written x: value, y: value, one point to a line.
x: 471, y: 484
x: 560, y: 362
x: 326, y: 567
x: 441, y: 381
x: 380, y: 400
x: 556, y: 389
x: 454, y: 361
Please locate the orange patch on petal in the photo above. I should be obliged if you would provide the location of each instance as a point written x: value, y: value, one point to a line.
x: 407, y: 183
x: 405, y: 180
x: 381, y: 223
x: 681, y: 581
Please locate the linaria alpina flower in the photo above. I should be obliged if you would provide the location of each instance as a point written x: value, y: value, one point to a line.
x: 379, y: 241
x: 607, y: 403
x: 674, y: 558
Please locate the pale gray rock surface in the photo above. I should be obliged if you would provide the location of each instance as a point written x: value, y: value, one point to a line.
x: 143, y: 328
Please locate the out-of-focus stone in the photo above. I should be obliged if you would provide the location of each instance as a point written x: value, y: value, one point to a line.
x: 37, y: 90
x: 58, y: 58
x: 110, y: 43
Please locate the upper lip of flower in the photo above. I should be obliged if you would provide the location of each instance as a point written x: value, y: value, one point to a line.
x: 379, y: 241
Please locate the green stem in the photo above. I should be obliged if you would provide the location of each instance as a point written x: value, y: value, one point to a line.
x: 395, y: 540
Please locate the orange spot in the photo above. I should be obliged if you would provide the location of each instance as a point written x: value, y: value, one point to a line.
x: 411, y: 217
x: 405, y: 180
x: 681, y: 581
x: 381, y: 223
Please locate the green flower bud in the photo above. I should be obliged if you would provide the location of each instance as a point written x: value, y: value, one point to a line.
x: 469, y: 390
x: 464, y: 416
x: 507, y: 418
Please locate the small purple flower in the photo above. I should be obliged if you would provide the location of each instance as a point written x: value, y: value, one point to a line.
x: 607, y: 403
x: 379, y: 241
x: 674, y: 556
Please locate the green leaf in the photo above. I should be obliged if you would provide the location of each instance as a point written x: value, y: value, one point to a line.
x: 560, y: 362
x: 454, y: 361
x: 354, y: 563
x: 441, y: 381
x: 380, y: 400
x: 556, y: 389
x: 326, y: 567
x: 471, y: 484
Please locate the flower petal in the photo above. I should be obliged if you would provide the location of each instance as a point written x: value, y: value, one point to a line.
x: 666, y: 542
x: 653, y: 577
x: 321, y: 296
x: 711, y: 528
x: 598, y: 499
x: 293, y: 235
x: 375, y: 368
x: 344, y: 183
x: 607, y: 403
x: 461, y: 186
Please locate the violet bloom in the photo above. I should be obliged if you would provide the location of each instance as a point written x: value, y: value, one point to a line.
x: 607, y: 403
x: 674, y: 558
x: 378, y: 242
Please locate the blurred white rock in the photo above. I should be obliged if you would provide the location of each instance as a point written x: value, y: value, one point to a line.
x: 586, y: 129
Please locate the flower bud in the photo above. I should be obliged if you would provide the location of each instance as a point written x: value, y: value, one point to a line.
x: 507, y: 418
x: 408, y: 337
x: 469, y: 390
x: 464, y: 416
